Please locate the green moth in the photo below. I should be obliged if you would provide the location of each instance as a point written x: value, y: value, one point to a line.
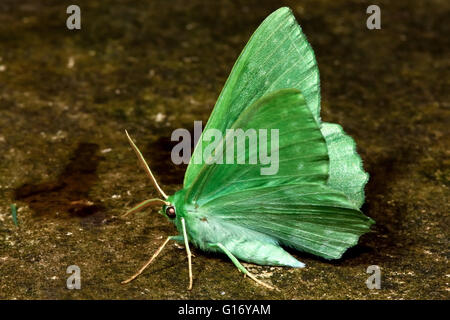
x: 311, y: 204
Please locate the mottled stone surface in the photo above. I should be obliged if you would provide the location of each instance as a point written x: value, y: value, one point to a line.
x: 67, y: 96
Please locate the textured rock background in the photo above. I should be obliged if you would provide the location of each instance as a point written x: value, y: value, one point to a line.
x: 153, y: 66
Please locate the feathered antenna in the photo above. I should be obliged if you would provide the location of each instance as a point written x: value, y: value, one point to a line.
x: 145, y: 166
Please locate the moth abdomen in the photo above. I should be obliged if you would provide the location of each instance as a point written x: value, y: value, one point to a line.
x: 262, y: 253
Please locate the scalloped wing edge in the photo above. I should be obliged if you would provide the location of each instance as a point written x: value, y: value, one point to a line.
x: 346, y: 173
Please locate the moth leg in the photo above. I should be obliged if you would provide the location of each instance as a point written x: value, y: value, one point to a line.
x: 240, y: 267
x: 180, y: 238
x: 188, y: 251
x: 151, y: 260
x: 177, y: 238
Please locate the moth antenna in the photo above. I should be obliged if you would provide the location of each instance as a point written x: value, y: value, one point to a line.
x: 145, y: 166
x: 145, y: 204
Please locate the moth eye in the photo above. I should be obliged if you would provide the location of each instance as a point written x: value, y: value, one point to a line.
x: 170, y: 212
